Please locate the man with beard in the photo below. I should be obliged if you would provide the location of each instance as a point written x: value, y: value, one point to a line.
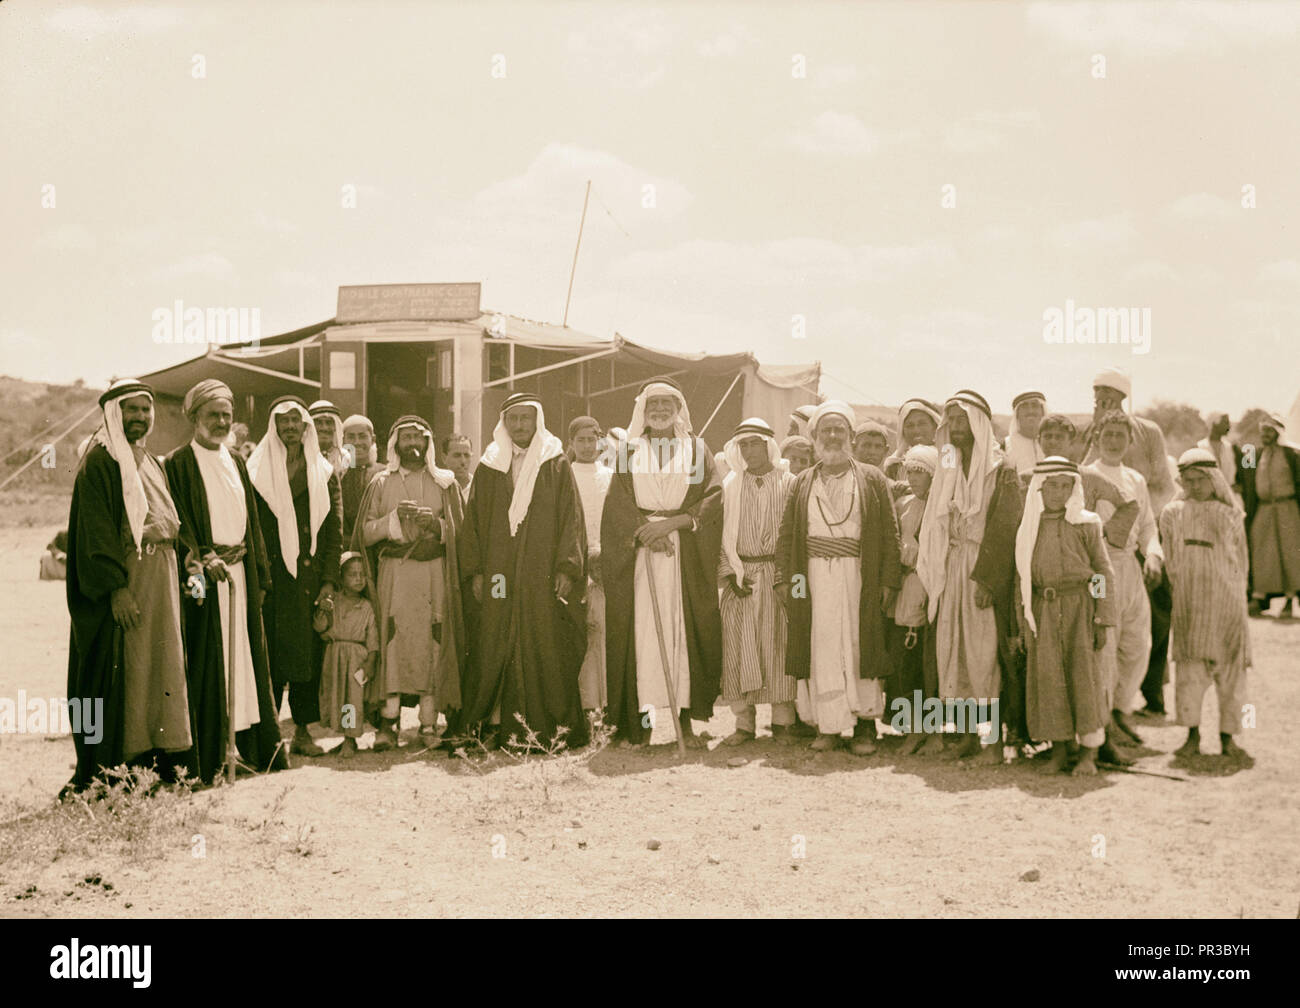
x: 966, y: 563
x: 753, y: 622
x: 592, y: 477
x: 838, y: 572
x: 126, y: 667
x: 360, y: 467
x: 221, y: 552
x: 328, y: 421
x: 524, y: 554
x: 1273, y: 517
x: 659, y: 540
x: 407, y: 529
x: 300, y: 509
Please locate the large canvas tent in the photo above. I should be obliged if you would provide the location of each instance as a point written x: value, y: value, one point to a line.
x: 429, y: 349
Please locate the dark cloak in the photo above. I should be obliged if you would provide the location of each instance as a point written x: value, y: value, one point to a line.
x: 259, y: 745
x: 530, y: 646
x: 98, y: 541
x: 878, y: 555
x: 699, y: 550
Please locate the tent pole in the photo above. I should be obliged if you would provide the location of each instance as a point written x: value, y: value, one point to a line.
x: 574, y: 268
x: 739, y: 374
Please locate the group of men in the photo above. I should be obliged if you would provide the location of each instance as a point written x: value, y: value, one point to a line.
x: 820, y: 574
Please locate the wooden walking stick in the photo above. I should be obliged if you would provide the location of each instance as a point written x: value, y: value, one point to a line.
x: 663, y: 656
x: 231, y: 673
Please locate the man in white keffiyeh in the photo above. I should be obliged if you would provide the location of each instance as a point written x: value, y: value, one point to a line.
x: 300, y: 508
x: 966, y: 563
x: 124, y: 597
x: 524, y: 553
x: 753, y: 622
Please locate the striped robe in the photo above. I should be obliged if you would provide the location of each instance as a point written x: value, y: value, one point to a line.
x: 753, y: 627
x: 1206, y: 558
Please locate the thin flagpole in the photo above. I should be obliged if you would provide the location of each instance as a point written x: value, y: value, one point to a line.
x: 574, y: 269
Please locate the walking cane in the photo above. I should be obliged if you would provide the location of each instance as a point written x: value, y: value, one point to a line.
x: 663, y: 657
x: 231, y: 749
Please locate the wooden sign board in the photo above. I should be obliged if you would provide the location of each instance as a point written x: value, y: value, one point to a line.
x: 435, y: 302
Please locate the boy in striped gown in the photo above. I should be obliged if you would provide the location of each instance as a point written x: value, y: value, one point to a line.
x: 753, y: 622
x: 1206, y: 557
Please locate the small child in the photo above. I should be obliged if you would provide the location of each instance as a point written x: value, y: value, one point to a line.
x: 1204, y: 536
x: 911, y: 636
x: 347, y: 624
x: 1062, y: 617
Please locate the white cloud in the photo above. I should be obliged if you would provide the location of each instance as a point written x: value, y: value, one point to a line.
x: 206, y: 264
x: 625, y: 47
x: 89, y: 21
x: 1204, y: 207
x: 727, y: 43
x: 1161, y: 27
x: 835, y: 133
x: 69, y: 238
x: 1096, y: 236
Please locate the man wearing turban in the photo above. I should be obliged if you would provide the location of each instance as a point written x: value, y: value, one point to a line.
x: 223, y: 557
x: 1273, y: 516
x: 838, y: 573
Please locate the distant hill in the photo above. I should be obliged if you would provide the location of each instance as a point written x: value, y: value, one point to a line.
x: 34, y: 414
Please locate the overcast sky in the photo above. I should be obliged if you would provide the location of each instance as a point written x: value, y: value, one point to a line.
x: 775, y: 194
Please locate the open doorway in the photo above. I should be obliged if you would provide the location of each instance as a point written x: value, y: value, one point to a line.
x: 415, y: 377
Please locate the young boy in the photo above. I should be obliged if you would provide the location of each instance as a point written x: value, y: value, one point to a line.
x: 911, y: 637
x: 1063, y: 618
x: 1204, y: 536
x: 871, y: 443
x: 1127, y: 653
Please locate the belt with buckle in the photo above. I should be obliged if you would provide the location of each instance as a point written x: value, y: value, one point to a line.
x: 150, y: 548
x: 1050, y: 593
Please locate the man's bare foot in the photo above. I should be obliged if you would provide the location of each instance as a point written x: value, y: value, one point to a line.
x: 915, y: 743
x: 1192, y: 747
x: 824, y: 743
x: 970, y: 746
x: 738, y: 737
x: 1057, y: 761
x: 1119, y: 721
x: 1230, y: 748
x: 989, y: 755
x: 1108, y: 753
x: 1087, y: 765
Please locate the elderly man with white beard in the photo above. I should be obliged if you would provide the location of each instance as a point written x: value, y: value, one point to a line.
x: 838, y: 572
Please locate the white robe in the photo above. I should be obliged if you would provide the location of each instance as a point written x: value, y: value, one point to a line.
x: 593, y: 481
x: 228, y: 515
x: 833, y: 697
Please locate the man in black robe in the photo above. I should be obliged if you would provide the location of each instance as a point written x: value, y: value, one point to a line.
x: 300, y: 508
x: 126, y: 668
x: 523, y: 554
x: 221, y: 550
x: 662, y: 526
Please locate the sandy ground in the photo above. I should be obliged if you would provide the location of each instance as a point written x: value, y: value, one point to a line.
x: 790, y: 832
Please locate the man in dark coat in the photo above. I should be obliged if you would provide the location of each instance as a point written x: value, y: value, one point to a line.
x: 222, y: 551
x: 359, y: 455
x: 661, y: 536
x: 300, y: 509
x: 967, y: 564
x: 838, y: 572
x: 523, y: 555
x: 126, y: 667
